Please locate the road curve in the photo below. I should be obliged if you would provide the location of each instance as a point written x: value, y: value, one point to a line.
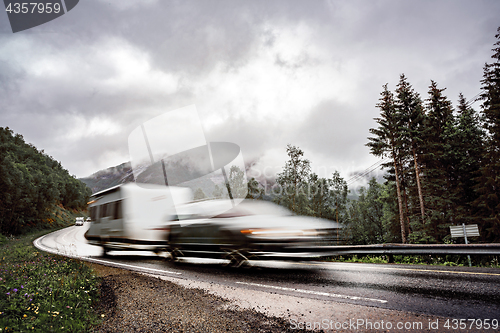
x: 336, y: 296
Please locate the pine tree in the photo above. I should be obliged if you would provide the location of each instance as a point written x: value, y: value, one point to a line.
x: 488, y: 203
x: 409, y: 106
x: 199, y: 194
x: 293, y: 182
x: 390, y: 216
x: 440, y: 167
x: 255, y: 190
x: 218, y: 193
x: 237, y: 182
x: 320, y: 197
x: 468, y: 144
x: 387, y: 143
x: 365, y: 215
x: 338, y: 192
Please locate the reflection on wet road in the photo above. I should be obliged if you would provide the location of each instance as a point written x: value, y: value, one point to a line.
x: 456, y: 292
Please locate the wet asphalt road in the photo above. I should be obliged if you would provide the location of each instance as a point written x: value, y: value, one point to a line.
x: 456, y: 292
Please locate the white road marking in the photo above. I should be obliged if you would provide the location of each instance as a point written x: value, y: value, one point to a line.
x: 111, y: 263
x: 361, y: 266
x: 42, y: 247
x: 64, y: 238
x: 312, y: 292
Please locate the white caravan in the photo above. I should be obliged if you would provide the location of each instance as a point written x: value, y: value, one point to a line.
x: 133, y: 217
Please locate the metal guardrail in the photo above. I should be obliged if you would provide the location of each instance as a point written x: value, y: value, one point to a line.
x: 409, y: 249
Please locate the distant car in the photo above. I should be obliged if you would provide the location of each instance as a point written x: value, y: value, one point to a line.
x: 79, y: 221
x: 253, y: 229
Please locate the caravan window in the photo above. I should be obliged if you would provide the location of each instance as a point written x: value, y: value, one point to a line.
x: 93, y: 213
x: 112, y: 210
x: 102, y: 210
x: 118, y: 210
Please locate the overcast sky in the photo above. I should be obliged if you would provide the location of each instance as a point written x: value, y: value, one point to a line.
x: 262, y: 74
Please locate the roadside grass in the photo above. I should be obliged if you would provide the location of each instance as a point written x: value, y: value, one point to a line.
x: 438, y: 260
x: 41, y: 292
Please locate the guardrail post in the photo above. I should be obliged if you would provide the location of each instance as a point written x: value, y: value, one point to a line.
x: 390, y: 258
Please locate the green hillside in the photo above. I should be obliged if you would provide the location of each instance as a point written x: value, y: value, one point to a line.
x: 34, y: 187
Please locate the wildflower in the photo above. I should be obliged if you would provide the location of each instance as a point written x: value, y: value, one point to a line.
x: 15, y: 290
x: 8, y: 293
x: 24, y: 316
x: 103, y: 315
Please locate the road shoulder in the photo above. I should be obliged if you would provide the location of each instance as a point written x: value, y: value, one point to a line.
x: 148, y: 303
x: 133, y: 302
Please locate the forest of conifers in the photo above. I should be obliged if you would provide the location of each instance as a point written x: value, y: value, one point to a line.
x: 31, y: 184
x: 444, y: 162
x: 442, y: 168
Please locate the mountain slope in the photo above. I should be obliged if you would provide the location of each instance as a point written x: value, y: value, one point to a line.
x: 109, y: 177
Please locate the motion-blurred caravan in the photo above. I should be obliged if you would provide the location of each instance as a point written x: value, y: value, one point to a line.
x: 161, y: 218
x: 131, y: 217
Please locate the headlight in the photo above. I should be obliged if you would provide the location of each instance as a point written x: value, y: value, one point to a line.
x: 279, y: 233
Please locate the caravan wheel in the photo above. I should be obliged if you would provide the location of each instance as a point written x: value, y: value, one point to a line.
x: 174, y: 255
x: 237, y: 258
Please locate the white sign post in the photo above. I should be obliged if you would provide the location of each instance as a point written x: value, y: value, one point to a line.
x: 463, y: 230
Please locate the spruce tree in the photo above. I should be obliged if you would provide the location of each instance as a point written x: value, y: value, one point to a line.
x: 338, y: 194
x: 440, y: 166
x: 488, y: 203
x: 320, y: 197
x: 468, y: 145
x: 387, y: 143
x: 390, y: 216
x: 409, y: 106
x: 365, y: 215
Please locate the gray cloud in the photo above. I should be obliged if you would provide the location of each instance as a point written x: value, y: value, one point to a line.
x: 263, y: 73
